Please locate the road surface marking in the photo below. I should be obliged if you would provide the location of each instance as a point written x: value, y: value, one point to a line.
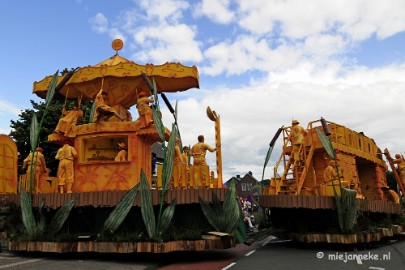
x: 18, y: 263
x: 250, y: 253
x: 268, y: 239
x: 229, y: 266
x: 376, y: 268
x: 7, y: 258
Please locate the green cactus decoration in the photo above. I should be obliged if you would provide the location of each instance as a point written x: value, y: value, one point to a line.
x: 120, y: 211
x: 223, y: 217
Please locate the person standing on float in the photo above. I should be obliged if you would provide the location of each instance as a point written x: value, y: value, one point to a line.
x: 66, y: 155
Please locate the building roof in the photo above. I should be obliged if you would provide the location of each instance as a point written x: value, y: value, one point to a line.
x: 157, y: 149
x: 237, y: 178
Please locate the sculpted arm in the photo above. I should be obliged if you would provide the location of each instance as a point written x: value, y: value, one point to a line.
x: 74, y: 153
x: 43, y: 163
x: 209, y: 148
x: 25, y: 162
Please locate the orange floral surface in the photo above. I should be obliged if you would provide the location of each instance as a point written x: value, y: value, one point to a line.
x: 104, y: 176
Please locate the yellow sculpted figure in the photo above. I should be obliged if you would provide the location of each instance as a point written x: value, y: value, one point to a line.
x: 198, y: 151
x: 40, y: 166
x: 177, y: 165
x: 144, y: 110
x: 199, y: 172
x: 400, y: 161
x: 390, y: 194
x: 330, y: 174
x: 185, y: 156
x: 68, y: 121
x: 66, y: 155
x: 122, y: 154
x: 296, y: 138
x: 103, y: 111
x: 128, y: 116
x: 185, y: 160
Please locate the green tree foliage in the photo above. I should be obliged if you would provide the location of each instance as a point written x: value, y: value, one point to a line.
x: 392, y: 183
x: 20, y: 129
x: 265, y: 183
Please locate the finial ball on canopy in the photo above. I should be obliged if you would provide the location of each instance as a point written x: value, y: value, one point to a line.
x: 117, y: 44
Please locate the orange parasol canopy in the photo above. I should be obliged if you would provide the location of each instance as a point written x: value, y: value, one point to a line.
x: 122, y: 80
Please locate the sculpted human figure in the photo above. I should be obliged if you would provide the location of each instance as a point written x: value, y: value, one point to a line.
x: 177, y: 159
x: 390, y: 194
x: 122, y: 154
x: 68, y: 121
x: 185, y: 161
x: 296, y: 138
x: 400, y: 161
x: 103, y: 111
x: 66, y: 155
x: 185, y: 156
x: 198, y: 151
x: 144, y: 110
x: 38, y: 161
x: 330, y: 174
x: 177, y: 165
x: 128, y: 116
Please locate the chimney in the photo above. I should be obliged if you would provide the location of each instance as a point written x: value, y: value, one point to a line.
x: 238, y: 176
x: 250, y: 173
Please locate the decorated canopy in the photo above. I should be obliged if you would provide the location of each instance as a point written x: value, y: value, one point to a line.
x: 122, y: 80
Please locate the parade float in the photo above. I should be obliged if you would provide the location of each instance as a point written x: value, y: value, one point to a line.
x: 110, y: 200
x: 330, y: 186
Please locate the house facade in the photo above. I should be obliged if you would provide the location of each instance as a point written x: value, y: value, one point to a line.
x: 244, y: 185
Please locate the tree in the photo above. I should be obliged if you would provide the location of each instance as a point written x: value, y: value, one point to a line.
x: 265, y: 183
x: 21, y: 129
x: 392, y: 183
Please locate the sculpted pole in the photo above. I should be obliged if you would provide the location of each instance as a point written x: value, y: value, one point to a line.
x: 213, y: 116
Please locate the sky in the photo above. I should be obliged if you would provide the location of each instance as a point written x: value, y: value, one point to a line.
x: 261, y: 63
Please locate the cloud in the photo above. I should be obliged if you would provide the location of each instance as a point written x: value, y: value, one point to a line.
x: 7, y: 111
x: 293, y: 57
x: 324, y: 45
x: 365, y: 18
x: 164, y: 10
x: 296, y: 19
x: 9, y: 108
x: 247, y: 53
x: 263, y: 35
x: 251, y: 115
x: 5, y: 131
x: 216, y: 10
x: 168, y: 42
x: 320, y: 31
x: 153, y: 29
x: 99, y: 23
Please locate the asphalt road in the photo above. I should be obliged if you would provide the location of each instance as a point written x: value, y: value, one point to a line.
x: 273, y: 254
x: 212, y: 259
x: 267, y: 254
